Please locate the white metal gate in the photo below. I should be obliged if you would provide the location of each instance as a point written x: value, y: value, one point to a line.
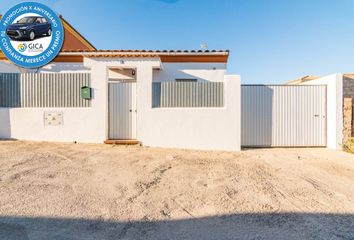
x: 283, y: 115
x: 122, y: 110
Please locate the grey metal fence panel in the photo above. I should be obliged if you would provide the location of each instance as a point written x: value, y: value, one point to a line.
x: 35, y: 90
x: 156, y: 95
x: 187, y: 94
x: 8, y: 93
x: 283, y: 115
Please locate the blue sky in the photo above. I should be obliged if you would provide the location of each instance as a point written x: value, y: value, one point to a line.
x: 271, y: 41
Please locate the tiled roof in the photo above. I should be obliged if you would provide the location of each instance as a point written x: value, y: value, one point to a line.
x: 75, y: 45
x: 302, y: 80
x: 66, y: 48
x: 164, y: 55
x: 146, y: 51
x: 349, y: 75
x: 73, y: 38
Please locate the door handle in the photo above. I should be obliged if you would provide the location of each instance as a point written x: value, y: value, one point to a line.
x: 130, y: 110
x: 316, y: 115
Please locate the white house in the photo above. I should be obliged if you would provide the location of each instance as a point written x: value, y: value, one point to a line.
x: 181, y: 99
x: 178, y: 99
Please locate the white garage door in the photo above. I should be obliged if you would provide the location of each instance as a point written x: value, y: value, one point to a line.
x: 283, y: 115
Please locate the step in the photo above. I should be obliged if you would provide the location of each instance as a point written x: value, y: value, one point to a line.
x: 122, y: 141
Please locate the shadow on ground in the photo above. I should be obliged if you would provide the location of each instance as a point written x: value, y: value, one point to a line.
x: 238, y: 226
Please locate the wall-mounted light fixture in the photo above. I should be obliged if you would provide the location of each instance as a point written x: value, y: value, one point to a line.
x: 133, y: 72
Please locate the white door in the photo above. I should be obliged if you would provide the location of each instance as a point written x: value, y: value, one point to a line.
x: 283, y: 115
x: 122, y: 110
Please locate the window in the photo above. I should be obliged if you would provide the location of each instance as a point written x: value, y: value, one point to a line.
x: 186, y: 80
x: 44, y: 20
x: 26, y: 20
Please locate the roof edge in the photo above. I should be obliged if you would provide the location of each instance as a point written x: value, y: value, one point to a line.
x: 150, y: 52
x: 177, y: 57
x: 76, y: 33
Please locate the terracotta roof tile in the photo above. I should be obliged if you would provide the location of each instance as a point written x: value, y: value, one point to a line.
x: 145, y: 51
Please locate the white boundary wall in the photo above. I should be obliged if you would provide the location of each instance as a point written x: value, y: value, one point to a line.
x: 204, y: 128
x: 28, y: 123
x: 334, y: 108
x: 198, y: 128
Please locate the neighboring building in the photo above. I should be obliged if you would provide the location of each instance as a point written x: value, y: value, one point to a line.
x: 310, y: 111
x: 302, y: 80
x: 348, y: 107
x: 340, y: 92
x: 348, y: 85
x: 158, y: 98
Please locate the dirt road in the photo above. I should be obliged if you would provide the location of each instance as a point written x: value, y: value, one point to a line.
x: 86, y: 191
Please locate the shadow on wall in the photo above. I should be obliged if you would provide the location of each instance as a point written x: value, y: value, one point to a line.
x: 5, y: 124
x: 237, y: 226
x: 10, y: 90
x: 10, y: 96
x: 256, y: 116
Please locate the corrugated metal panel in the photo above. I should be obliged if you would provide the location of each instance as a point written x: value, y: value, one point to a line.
x: 33, y: 90
x: 122, y: 110
x: 278, y: 115
x: 187, y: 94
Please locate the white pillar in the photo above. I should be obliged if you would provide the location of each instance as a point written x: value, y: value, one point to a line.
x: 144, y: 103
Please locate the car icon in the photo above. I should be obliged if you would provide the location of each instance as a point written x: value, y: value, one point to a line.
x: 29, y: 28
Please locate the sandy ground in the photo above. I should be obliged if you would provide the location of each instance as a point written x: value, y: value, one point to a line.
x: 84, y: 191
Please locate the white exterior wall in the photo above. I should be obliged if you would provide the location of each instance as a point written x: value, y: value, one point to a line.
x: 193, y: 128
x: 28, y: 123
x: 100, y: 76
x: 6, y: 67
x: 334, y: 108
x: 196, y: 128
x: 87, y: 125
x: 206, y: 128
x: 64, y: 68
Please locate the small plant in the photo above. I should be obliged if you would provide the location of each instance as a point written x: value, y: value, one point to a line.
x: 349, y: 145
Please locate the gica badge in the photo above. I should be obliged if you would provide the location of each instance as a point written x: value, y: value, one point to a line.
x: 31, y: 35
